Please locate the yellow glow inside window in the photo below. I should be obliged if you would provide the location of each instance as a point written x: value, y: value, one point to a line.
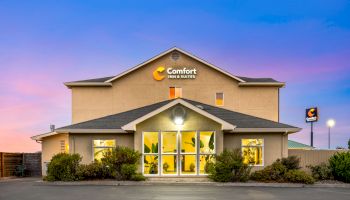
x: 252, y: 151
x: 175, y: 92
x: 219, y: 99
x: 101, y: 147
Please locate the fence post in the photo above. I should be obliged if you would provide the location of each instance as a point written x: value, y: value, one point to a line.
x: 2, y: 165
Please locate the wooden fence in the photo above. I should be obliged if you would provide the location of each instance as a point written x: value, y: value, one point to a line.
x: 9, y: 161
x: 312, y: 157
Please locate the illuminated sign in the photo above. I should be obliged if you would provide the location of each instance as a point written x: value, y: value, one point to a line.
x: 311, y: 115
x: 157, y: 72
x: 174, y: 73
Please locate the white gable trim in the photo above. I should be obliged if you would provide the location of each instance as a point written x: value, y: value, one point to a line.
x: 132, y: 125
x: 182, y: 51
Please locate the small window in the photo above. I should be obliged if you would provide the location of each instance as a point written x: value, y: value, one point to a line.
x: 175, y: 92
x: 63, y: 146
x: 101, y: 147
x: 252, y: 150
x: 219, y: 99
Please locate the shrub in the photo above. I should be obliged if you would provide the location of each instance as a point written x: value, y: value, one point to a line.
x: 291, y: 162
x: 127, y: 171
x: 229, y: 167
x: 271, y: 173
x: 321, y: 172
x: 340, y: 166
x: 120, y: 160
x: 62, y: 167
x: 138, y: 177
x: 298, y: 176
x: 92, y: 171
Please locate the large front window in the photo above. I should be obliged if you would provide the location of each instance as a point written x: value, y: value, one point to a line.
x: 181, y: 152
x: 150, y: 152
x: 252, y: 150
x: 101, y: 147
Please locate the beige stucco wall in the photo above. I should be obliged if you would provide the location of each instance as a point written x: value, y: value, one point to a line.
x: 275, y: 144
x: 82, y: 143
x: 50, y: 146
x: 138, y: 89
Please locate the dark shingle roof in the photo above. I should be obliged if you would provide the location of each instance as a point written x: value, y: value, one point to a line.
x: 116, y: 121
x: 259, y: 80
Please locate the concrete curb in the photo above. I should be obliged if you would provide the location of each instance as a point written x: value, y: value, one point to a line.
x: 162, y: 183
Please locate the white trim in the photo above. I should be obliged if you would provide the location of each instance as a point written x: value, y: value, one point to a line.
x: 41, y: 136
x: 168, y: 51
x: 132, y: 125
x: 278, y: 84
x: 266, y: 130
x: 87, y: 84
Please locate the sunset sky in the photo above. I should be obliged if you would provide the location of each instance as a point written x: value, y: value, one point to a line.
x: 45, y: 43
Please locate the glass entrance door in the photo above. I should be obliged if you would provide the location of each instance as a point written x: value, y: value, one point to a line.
x: 180, y: 152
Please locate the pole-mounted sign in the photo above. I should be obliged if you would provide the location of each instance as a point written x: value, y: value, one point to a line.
x: 311, y: 116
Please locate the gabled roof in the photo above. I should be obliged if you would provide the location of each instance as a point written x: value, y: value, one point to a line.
x: 123, y: 122
x: 243, y: 81
x: 297, y: 145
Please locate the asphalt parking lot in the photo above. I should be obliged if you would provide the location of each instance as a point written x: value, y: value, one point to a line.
x: 29, y: 189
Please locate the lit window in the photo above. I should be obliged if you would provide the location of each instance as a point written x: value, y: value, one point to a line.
x: 206, y: 150
x: 175, y: 92
x: 219, y: 99
x: 150, y: 153
x: 101, y: 147
x: 252, y: 150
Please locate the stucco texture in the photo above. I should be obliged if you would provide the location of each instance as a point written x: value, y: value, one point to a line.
x: 138, y: 88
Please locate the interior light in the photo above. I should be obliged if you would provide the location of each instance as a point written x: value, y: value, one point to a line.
x: 179, y: 120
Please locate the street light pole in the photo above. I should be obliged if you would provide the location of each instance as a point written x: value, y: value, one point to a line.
x: 330, y: 124
x: 329, y: 137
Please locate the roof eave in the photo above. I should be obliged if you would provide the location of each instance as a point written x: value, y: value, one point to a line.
x: 59, y: 131
x: 266, y: 130
x: 182, y: 51
x: 87, y: 84
x: 269, y: 84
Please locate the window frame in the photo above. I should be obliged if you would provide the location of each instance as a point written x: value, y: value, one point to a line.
x: 223, y: 98
x: 199, y: 154
x: 101, y: 147
x: 150, y: 154
x: 262, y: 147
x: 175, y: 87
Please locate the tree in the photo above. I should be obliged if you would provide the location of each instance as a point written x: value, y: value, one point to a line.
x: 349, y: 144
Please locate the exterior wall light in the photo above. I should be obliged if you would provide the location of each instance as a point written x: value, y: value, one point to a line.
x: 179, y: 121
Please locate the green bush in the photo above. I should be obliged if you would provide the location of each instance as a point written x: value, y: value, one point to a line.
x: 298, y: 176
x: 62, y: 167
x: 291, y: 162
x: 92, y: 171
x: 271, y: 173
x: 340, y: 166
x: 283, y: 170
x: 138, y: 177
x: 127, y: 171
x: 122, y: 162
x: 321, y: 172
x: 229, y: 167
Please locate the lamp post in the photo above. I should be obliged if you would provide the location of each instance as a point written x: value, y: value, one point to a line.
x: 330, y: 124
